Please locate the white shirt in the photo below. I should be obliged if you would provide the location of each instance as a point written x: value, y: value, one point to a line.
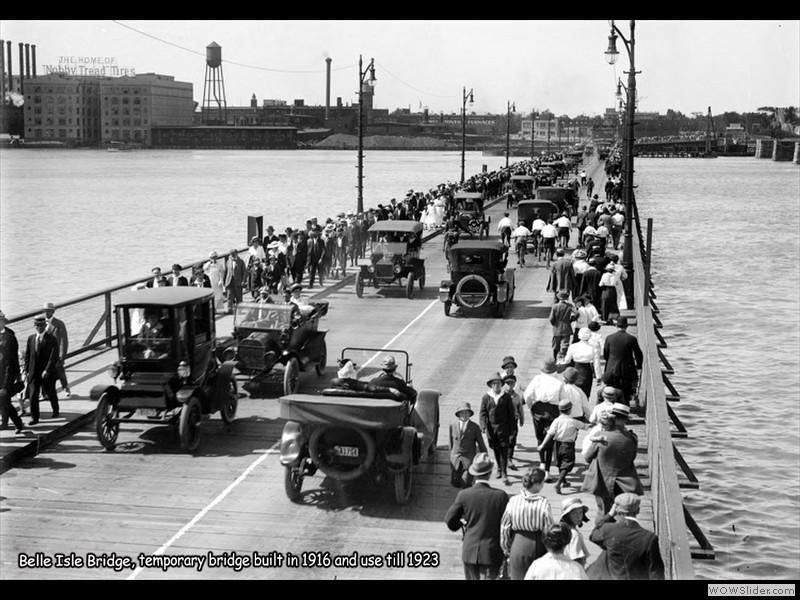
x: 563, y: 221
x: 537, y: 225
x: 584, y: 352
x: 555, y: 567
x: 505, y: 222
x: 580, y: 403
x: 545, y: 387
x: 549, y: 231
x: 520, y: 232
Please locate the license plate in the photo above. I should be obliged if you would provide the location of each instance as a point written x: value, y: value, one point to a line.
x: 148, y: 412
x: 346, y: 451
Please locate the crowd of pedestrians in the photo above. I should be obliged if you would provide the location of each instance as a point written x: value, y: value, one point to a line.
x: 519, y: 537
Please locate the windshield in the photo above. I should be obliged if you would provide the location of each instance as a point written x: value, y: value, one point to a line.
x: 263, y: 316
x: 148, y: 332
x: 368, y: 362
x: 388, y: 248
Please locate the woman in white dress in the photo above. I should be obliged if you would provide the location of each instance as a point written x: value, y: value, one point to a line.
x: 438, y: 207
x: 620, y: 276
x: 429, y: 217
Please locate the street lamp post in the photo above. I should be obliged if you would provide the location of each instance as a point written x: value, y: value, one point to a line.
x: 512, y: 107
x: 371, y: 83
x: 533, y: 130
x: 466, y: 96
x: 627, y: 148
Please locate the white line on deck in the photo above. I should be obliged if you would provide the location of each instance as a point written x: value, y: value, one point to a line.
x: 255, y: 463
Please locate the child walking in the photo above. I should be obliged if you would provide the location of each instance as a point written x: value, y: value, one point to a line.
x: 564, y: 430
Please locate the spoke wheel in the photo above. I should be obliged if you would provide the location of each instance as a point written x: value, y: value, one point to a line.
x: 189, y: 428
x: 291, y: 376
x: 359, y: 285
x: 410, y: 286
x: 231, y: 402
x: 323, y: 360
x: 293, y: 481
x: 107, y: 430
x: 402, y: 486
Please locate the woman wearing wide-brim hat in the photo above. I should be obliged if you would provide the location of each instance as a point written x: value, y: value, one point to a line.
x: 498, y: 422
x: 465, y: 442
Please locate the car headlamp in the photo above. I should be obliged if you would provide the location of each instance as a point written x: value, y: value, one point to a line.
x: 371, y: 268
x: 183, y: 370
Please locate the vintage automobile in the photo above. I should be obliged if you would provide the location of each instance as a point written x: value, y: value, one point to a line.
x: 478, y: 277
x: 394, y: 256
x: 467, y: 213
x: 529, y: 209
x: 280, y: 334
x: 356, y: 429
x: 563, y: 197
x: 167, y: 368
x: 520, y: 187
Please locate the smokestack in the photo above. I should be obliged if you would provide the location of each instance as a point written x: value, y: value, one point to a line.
x: 21, y: 69
x: 10, y: 65
x: 33, y: 57
x: 27, y: 61
x: 2, y: 69
x: 328, y: 89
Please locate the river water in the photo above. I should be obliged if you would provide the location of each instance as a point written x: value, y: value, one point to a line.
x: 725, y: 266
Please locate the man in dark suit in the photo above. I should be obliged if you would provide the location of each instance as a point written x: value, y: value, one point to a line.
x: 479, y: 511
x: 466, y: 440
x: 388, y: 378
x: 562, y: 314
x: 629, y: 551
x: 58, y: 328
x: 158, y: 279
x: 41, y: 358
x: 623, y: 360
x: 9, y: 375
x: 176, y: 279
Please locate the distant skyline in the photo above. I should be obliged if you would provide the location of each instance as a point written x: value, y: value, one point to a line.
x: 687, y: 66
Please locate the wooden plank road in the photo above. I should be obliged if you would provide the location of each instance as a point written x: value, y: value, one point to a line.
x: 227, y: 502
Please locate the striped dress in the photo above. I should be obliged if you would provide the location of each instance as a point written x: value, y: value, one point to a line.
x: 525, y: 518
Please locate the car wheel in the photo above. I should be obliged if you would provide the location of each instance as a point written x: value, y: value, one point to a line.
x: 447, y: 305
x: 189, y: 427
x: 410, y: 286
x: 231, y: 401
x: 402, y: 486
x: 359, y: 285
x: 322, y: 449
x: 107, y: 430
x: 291, y: 376
x: 323, y: 360
x: 293, y: 481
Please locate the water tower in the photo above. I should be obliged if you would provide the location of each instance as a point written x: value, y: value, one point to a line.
x: 215, y: 108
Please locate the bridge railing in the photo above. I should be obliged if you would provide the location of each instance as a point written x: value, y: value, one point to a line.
x: 668, y: 511
x: 89, y: 319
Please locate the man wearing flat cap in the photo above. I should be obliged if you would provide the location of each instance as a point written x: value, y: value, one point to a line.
x: 562, y: 314
x: 41, y: 358
x: 478, y: 511
x: 630, y: 552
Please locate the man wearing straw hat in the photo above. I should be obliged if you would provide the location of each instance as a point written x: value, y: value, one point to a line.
x: 465, y: 443
x: 478, y: 511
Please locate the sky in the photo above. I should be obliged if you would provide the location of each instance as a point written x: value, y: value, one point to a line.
x: 687, y: 65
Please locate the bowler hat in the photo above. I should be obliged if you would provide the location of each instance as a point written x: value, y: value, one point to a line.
x: 570, y: 504
x: 481, y: 465
x: 628, y: 503
x: 622, y: 322
x: 509, y: 360
x: 464, y: 407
